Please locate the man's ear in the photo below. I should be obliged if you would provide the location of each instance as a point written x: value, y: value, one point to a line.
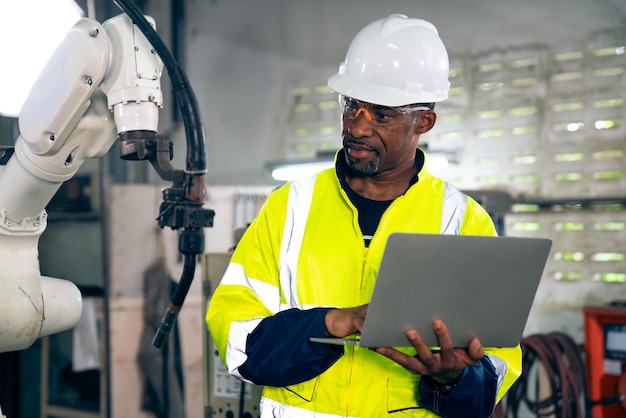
x: 425, y: 121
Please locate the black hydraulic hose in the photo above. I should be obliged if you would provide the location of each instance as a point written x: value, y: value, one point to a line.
x: 189, y: 269
x: 190, y: 111
x: 178, y: 298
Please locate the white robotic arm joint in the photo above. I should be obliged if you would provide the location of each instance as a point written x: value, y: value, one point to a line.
x: 61, y: 94
x: 65, y: 120
x: 133, y: 78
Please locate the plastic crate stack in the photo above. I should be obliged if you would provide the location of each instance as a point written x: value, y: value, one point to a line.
x: 585, y: 132
x: 312, y: 126
x: 451, y: 131
x: 589, y: 246
x: 508, y: 92
x: 605, y: 133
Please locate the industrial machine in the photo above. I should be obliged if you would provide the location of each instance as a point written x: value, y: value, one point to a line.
x: 605, y: 348
x: 101, y: 84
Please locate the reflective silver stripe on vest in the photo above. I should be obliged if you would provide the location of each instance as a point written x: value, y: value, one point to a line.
x: 298, y: 206
x: 453, y: 210
x: 500, y: 366
x: 272, y: 409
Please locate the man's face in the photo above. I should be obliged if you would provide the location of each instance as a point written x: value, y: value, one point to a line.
x: 379, y: 139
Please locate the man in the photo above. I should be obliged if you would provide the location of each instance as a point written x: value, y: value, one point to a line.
x: 307, y: 264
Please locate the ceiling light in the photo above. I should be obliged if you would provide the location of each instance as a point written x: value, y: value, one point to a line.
x: 291, y: 170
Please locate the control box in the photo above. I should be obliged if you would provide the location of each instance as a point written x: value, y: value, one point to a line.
x: 605, y: 351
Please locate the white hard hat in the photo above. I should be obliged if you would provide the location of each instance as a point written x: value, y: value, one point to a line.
x: 394, y: 62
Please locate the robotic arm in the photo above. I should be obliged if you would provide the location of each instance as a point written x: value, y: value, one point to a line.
x: 102, y: 81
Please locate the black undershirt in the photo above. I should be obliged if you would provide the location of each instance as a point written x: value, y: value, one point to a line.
x: 370, y: 211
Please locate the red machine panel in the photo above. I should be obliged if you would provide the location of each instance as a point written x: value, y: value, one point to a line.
x: 605, y: 349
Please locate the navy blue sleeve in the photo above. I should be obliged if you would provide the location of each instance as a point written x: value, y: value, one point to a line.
x: 280, y: 353
x: 474, y: 395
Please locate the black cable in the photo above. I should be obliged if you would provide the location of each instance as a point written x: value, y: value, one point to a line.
x: 242, y: 397
x: 178, y: 298
x: 185, y: 97
x: 189, y: 268
x: 165, y: 357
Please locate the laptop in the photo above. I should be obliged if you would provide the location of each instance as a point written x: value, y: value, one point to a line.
x: 480, y: 286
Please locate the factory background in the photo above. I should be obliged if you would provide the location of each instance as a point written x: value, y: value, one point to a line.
x: 534, y: 129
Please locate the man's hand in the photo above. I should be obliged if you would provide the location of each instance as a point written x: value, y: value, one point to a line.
x: 444, y: 366
x: 343, y: 322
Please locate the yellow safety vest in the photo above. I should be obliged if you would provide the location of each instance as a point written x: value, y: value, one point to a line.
x: 305, y: 250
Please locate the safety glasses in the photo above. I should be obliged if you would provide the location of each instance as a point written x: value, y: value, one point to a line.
x: 377, y: 114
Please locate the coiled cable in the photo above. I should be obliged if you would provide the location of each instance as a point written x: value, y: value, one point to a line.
x: 561, y: 359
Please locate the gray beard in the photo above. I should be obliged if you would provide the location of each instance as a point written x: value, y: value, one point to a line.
x: 365, y: 169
